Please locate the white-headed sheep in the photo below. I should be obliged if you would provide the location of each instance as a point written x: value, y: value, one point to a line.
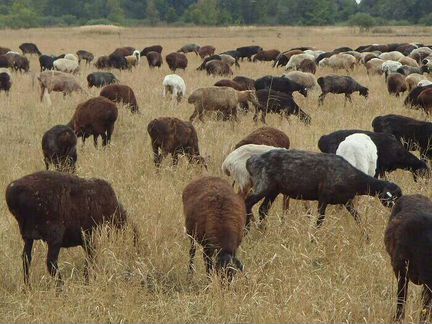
x: 174, y: 84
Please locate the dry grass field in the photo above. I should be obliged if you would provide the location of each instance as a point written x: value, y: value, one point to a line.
x: 340, y: 278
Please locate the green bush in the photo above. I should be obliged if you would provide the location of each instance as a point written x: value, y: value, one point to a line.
x: 100, y: 21
x: 426, y: 20
x: 362, y: 20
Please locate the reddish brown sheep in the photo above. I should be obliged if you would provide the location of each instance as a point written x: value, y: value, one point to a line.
x: 59, y: 148
x: 215, y: 218
x: 123, y: 51
x: 174, y: 136
x: 96, y: 117
x: 247, y: 83
x: 207, y: 50
x: 396, y: 84
x: 176, y: 61
x: 425, y: 100
x: 62, y: 210
x: 230, y: 83
x: 120, y: 93
x: 154, y: 59
x: 307, y: 66
x: 215, y: 67
x: 268, y: 55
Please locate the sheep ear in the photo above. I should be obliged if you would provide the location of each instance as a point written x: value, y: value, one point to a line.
x: 389, y: 195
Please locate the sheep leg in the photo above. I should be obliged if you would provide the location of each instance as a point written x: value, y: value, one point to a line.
x: 157, y: 157
x: 321, y: 99
x: 208, y: 254
x: 52, y: 258
x: 42, y: 92
x: 402, y: 293
x: 95, y: 139
x: 285, y: 203
x: 192, y: 252
x: 427, y: 300
x: 265, y: 206
x: 234, y: 114
x: 322, y: 205
x: 26, y: 259
x: 46, y: 163
x: 175, y: 156
x: 350, y: 207
x: 250, y: 202
x: 89, y: 250
x: 192, y: 117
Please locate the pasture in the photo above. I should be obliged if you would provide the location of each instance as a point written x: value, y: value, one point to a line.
x: 287, y: 278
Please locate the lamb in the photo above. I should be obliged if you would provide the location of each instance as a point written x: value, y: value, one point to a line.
x: 268, y: 55
x: 215, y: 218
x: 84, y: 55
x: 327, y: 178
x: 66, y: 65
x: 408, y: 242
x: 58, y: 82
x: 413, y: 134
x: 396, y: 84
x: 221, y: 99
x: 412, y: 80
x: 207, y: 50
x: 96, y: 117
x: 340, y: 84
x: 176, y: 61
x: 374, y: 66
x: 360, y: 151
x: 296, y: 60
x: 134, y: 59
x: 392, y: 56
x: 174, y: 136
x: 307, y: 66
x: 154, y: 59
x: 339, y: 61
x: 100, y: 79
x: 278, y: 102
x: 279, y: 84
x: 62, y: 210
x: 153, y: 48
x: 59, y: 148
x: 5, y: 80
x: 218, y: 68
x: 391, y: 153
x: 189, y: 48
x: 121, y: 93
x: 29, y: 48
x: 174, y: 84
x: 306, y: 80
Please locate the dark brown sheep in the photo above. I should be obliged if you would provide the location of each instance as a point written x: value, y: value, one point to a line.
x: 283, y: 58
x: 62, y: 210
x: 154, y: 59
x: 408, y: 241
x: 268, y: 55
x: 4, y: 50
x: 153, y: 48
x: 266, y: 136
x: 174, y: 136
x: 396, y: 84
x: 215, y: 218
x: 59, y: 148
x: 176, y: 61
x: 96, y: 117
x: 218, y: 68
x: 5, y: 81
x: 123, y: 51
x: 84, y: 55
x: 247, y: 83
x: 121, y: 93
x: 207, y: 50
x: 230, y: 83
x: 103, y: 62
x: 29, y: 48
x: 307, y: 66
x: 425, y: 100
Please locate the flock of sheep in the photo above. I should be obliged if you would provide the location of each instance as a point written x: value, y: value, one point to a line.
x: 63, y: 209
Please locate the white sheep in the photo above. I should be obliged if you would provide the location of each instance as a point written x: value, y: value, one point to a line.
x: 390, y: 66
x: 71, y: 57
x: 66, y: 65
x: 315, y: 53
x: 424, y: 83
x: 339, y: 61
x: 360, y: 151
x: 234, y: 165
x: 374, y: 66
x: 305, y: 79
x: 422, y: 51
x: 391, y: 56
x: 295, y: 60
x: 357, y: 55
x: 174, y: 84
x: 228, y: 59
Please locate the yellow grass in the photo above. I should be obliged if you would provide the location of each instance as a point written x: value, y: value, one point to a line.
x: 287, y: 278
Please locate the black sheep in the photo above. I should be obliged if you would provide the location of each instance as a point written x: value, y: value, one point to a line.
x: 29, y: 48
x: 279, y: 84
x: 101, y: 79
x: 248, y: 51
x: 340, y: 84
x: 5, y: 82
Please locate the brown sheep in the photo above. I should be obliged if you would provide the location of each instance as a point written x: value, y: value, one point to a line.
x: 408, y: 241
x: 62, y: 210
x: 230, y: 84
x: 221, y: 99
x: 268, y: 55
x: 122, y: 94
x: 247, y: 83
x: 413, y: 79
x: 283, y: 58
x: 396, y: 84
x: 425, y: 100
x: 95, y: 116
x: 57, y: 81
x: 4, y: 50
x: 176, y: 61
x: 174, y: 136
x: 59, y: 148
x: 103, y: 62
x: 123, y: 51
x: 215, y: 67
x: 215, y: 218
x: 308, y: 66
x: 154, y: 59
x: 207, y: 50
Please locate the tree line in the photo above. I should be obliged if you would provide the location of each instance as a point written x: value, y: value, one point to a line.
x: 34, y: 13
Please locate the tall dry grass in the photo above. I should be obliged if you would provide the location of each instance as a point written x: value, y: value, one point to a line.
x: 340, y: 278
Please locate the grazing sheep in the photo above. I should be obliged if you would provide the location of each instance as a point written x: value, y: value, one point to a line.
x: 396, y: 84
x: 174, y: 136
x: 4, y: 50
x: 314, y: 53
x: 279, y: 84
x: 176, y: 61
x: 29, y: 48
x: 412, y: 80
x: 122, y: 94
x: 227, y: 59
x: 340, y: 84
x: 101, y: 79
x: 339, y: 61
x: 360, y: 151
x: 425, y: 100
x: 59, y: 148
x: 424, y: 83
x: 215, y: 218
x: 154, y: 59
x: 408, y: 61
x: 207, y: 50
x: 412, y: 98
x: 46, y: 62
x: 18, y: 62
x: 71, y: 57
x: 271, y: 101
x: 153, y: 48
x: 174, y: 84
x: 62, y: 210
x: 391, y: 56
x: 123, y: 51
x: 407, y: 70
x: 5, y: 62
x: 307, y: 66
x: 266, y: 136
x: 56, y: 81
x: 84, y: 55
x: 96, y: 117
x: 327, y: 178
x: 66, y: 65
x: 283, y: 58
x: 5, y: 80
x: 306, y: 80
x: 245, y: 82
x: 390, y: 67
x: 103, y: 62
x: 230, y: 84
x: 358, y: 56
x: 366, y: 57
x: 374, y: 66
x: 248, y: 51
x: 218, y: 68
x: 117, y: 62
x: 268, y: 55
x: 420, y: 53
x: 391, y: 153
x: 222, y: 99
x: 413, y: 134
x: 295, y: 60
x: 189, y: 48
x: 408, y: 241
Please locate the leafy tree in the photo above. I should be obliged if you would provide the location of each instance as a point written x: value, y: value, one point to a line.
x: 362, y: 20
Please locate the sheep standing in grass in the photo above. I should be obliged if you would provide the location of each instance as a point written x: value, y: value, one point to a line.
x: 5, y: 80
x: 374, y: 66
x: 296, y: 60
x: 66, y: 65
x: 59, y: 148
x: 396, y: 84
x: 134, y: 59
x: 412, y: 80
x: 390, y: 67
x: 339, y: 61
x: 175, y: 85
x: 340, y: 84
x: 306, y: 80
x: 57, y: 81
x: 360, y: 151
